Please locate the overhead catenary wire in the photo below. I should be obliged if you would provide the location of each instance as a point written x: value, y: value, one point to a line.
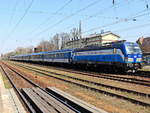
x: 87, y: 16
x: 49, y: 17
x: 67, y: 17
x: 139, y: 35
x: 147, y: 5
x: 70, y: 15
x: 103, y: 11
x: 133, y: 27
x: 123, y: 19
x: 17, y: 24
x: 116, y: 22
x: 13, y: 11
x: 99, y: 14
x: 22, y: 17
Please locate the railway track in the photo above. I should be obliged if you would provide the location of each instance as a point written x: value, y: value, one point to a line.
x: 95, y: 83
x: 81, y: 83
x: 38, y: 100
x: 145, y: 74
x: 131, y: 77
x: 112, y: 77
x: 107, y: 76
x: 142, y: 74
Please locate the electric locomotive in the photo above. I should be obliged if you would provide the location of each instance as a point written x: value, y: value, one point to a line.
x: 121, y: 55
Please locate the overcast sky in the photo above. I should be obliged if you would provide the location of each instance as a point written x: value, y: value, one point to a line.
x: 27, y: 22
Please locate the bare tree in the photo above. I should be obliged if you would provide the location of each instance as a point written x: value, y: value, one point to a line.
x: 64, y: 37
x: 20, y: 50
x: 55, y: 41
x: 74, y: 34
x: 29, y: 49
x: 58, y: 41
x: 7, y: 55
x: 44, y: 46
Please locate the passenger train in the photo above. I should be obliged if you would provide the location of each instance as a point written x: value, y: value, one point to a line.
x: 121, y: 55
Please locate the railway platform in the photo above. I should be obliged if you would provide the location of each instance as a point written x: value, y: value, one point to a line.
x: 72, y: 99
x: 9, y: 102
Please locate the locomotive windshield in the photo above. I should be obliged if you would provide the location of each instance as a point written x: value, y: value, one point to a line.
x: 133, y: 49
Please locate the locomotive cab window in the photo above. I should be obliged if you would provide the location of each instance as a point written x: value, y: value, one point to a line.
x: 133, y: 49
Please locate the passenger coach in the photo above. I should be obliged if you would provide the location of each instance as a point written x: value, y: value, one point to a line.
x: 60, y: 56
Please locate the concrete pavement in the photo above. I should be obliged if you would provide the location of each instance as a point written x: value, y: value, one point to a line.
x: 9, y: 102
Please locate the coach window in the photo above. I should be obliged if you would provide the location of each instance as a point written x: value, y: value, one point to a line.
x: 57, y: 55
x: 62, y: 54
x: 48, y: 55
x: 52, y: 55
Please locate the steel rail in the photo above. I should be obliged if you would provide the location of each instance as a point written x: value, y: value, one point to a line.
x: 18, y: 91
x: 74, y: 106
x: 107, y: 77
x: 95, y: 83
x: 93, y: 89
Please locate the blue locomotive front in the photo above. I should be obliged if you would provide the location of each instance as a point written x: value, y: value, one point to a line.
x: 133, y: 56
x: 120, y: 55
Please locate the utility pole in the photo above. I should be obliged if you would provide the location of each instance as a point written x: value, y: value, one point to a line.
x: 80, y: 30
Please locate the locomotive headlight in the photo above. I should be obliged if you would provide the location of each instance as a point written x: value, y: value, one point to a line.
x: 139, y: 59
x: 128, y: 59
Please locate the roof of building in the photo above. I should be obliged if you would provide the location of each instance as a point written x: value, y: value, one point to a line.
x: 102, y: 34
x: 144, y: 44
x: 95, y: 35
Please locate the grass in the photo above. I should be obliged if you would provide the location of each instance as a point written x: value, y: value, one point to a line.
x: 146, y: 68
x: 5, y: 80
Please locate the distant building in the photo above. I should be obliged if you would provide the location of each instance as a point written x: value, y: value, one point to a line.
x: 92, y: 40
x: 144, y: 44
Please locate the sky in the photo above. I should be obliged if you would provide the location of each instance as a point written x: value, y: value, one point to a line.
x: 25, y: 23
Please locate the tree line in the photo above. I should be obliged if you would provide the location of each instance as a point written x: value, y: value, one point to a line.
x: 55, y: 43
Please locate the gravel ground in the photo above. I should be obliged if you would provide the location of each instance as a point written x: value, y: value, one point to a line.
x: 110, y: 104
x: 146, y: 68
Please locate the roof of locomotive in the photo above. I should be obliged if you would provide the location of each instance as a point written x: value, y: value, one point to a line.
x: 106, y: 46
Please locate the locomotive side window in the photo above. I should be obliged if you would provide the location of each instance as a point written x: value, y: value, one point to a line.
x: 133, y: 49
